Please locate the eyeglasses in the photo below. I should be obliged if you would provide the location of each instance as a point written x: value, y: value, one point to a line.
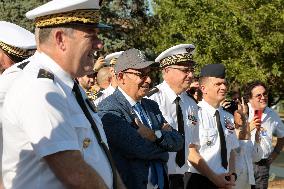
x: 141, y: 75
x: 259, y: 96
x: 184, y: 70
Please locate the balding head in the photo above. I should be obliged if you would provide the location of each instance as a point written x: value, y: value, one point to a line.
x: 104, y: 77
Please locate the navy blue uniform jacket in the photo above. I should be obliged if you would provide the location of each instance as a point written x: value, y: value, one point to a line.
x: 132, y: 153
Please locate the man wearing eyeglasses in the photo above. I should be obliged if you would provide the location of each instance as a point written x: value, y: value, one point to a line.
x: 179, y: 110
x: 138, y: 135
x: 271, y: 125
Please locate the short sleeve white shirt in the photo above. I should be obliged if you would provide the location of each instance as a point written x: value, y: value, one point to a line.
x: 165, y: 97
x: 271, y: 126
x: 210, y: 148
x: 41, y: 117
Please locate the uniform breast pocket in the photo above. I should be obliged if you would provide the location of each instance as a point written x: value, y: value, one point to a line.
x: 208, y: 137
x: 83, y: 131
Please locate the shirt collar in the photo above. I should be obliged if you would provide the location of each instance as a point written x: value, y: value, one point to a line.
x: 251, y: 112
x: 128, y: 98
x: 54, y: 68
x: 210, y: 109
x: 170, y: 93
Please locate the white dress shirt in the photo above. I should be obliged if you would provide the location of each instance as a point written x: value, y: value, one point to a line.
x: 271, y: 126
x: 165, y: 97
x: 210, y: 148
x: 246, y: 155
x: 44, y: 119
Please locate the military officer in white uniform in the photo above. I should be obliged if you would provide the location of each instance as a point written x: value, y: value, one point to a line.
x: 52, y: 138
x: 212, y: 163
x: 110, y: 60
x: 177, y: 69
x: 16, y: 44
x: 271, y: 125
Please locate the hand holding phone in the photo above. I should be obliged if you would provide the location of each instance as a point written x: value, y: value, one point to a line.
x: 258, y: 113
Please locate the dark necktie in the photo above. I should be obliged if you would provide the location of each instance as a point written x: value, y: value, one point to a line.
x: 222, y: 141
x: 157, y: 172
x: 180, y: 156
x: 88, y: 115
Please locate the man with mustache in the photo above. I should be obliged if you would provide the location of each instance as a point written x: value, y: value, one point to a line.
x: 52, y: 137
x: 137, y: 132
x: 179, y: 110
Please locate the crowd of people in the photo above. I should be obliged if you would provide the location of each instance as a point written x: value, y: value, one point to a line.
x: 71, y: 118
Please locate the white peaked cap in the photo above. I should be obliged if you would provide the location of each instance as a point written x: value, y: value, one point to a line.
x: 178, y: 49
x: 110, y: 57
x: 61, y: 6
x: 16, y: 36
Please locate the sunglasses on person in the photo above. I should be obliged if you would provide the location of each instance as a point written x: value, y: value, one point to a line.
x: 259, y: 96
x: 141, y: 75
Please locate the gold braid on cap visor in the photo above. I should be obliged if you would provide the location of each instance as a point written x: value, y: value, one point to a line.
x: 113, y: 61
x: 15, y: 50
x: 175, y: 59
x: 86, y: 16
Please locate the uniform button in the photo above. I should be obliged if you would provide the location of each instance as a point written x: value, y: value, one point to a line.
x: 86, y: 142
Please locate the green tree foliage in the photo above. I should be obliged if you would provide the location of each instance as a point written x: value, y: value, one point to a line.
x: 127, y: 18
x: 14, y: 11
x: 246, y: 35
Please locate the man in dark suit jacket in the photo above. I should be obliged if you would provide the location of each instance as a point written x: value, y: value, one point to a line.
x: 139, y: 138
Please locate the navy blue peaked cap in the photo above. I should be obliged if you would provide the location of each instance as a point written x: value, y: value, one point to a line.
x: 213, y: 70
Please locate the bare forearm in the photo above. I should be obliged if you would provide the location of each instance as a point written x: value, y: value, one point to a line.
x: 73, y: 171
x: 199, y: 163
x: 120, y: 184
x: 232, y: 161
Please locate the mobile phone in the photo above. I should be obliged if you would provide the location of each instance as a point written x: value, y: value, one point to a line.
x: 258, y: 113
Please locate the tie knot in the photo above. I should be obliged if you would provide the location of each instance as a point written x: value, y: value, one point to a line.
x: 177, y: 99
x: 217, y: 113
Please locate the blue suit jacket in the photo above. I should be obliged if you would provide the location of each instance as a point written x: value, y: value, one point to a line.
x: 132, y: 153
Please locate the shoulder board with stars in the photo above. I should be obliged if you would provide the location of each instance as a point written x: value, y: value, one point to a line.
x: 152, y: 91
x: 45, y: 74
x: 23, y: 65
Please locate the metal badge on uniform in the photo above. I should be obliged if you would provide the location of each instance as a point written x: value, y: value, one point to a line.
x: 229, y: 125
x: 208, y: 143
x: 192, y: 119
x: 86, y: 142
x: 263, y: 132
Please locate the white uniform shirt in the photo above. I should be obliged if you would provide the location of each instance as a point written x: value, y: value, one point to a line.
x: 42, y: 117
x: 246, y: 155
x: 210, y: 148
x: 271, y: 126
x: 108, y: 91
x: 165, y: 97
x: 6, y: 80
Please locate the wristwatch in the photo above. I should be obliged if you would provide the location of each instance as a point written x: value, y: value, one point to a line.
x: 159, y: 136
